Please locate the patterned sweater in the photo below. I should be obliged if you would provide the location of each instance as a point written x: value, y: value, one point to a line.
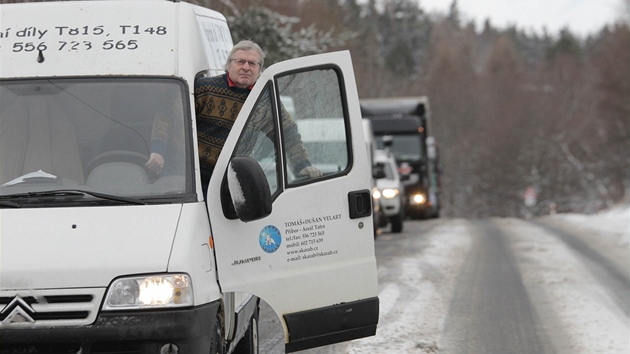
x: 217, y: 105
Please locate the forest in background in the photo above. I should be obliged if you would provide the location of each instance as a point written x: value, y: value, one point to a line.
x: 511, y: 109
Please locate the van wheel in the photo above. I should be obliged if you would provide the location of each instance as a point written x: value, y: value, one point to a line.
x: 217, y: 346
x: 397, y: 223
x: 249, y: 343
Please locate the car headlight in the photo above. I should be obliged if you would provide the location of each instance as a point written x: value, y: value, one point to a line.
x: 152, y: 291
x: 376, y: 194
x: 390, y: 193
x: 419, y: 198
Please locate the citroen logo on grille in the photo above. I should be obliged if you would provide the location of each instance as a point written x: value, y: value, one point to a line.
x: 17, y: 311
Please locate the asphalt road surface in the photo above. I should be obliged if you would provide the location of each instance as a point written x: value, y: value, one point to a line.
x: 492, y: 286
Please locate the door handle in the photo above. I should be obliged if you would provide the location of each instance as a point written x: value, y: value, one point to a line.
x: 360, y: 203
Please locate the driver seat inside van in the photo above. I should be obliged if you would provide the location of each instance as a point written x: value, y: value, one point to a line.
x: 36, y: 134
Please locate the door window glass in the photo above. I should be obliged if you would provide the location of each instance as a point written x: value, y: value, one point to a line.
x: 259, y: 139
x: 313, y: 123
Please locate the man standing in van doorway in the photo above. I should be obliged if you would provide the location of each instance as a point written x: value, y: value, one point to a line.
x: 218, y: 100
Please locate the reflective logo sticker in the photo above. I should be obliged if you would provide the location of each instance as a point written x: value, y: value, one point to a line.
x: 270, y: 239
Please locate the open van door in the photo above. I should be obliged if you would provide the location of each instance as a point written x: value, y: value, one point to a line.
x: 304, y: 245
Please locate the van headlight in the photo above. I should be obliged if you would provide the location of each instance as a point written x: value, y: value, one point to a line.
x: 149, y: 292
x: 419, y: 198
x: 390, y: 193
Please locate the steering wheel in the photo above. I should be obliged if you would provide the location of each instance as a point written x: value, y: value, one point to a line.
x: 116, y: 156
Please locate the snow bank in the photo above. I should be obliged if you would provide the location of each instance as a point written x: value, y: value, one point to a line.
x: 613, y: 224
x: 578, y: 314
x: 415, y: 302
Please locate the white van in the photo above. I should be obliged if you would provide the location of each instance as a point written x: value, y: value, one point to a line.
x: 325, y: 138
x: 370, y: 143
x: 391, y: 191
x: 99, y: 256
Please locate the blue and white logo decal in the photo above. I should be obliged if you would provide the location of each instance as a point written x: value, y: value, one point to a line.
x: 270, y: 239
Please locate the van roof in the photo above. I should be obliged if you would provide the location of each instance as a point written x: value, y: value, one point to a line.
x: 400, y: 106
x: 110, y: 37
x: 394, y: 125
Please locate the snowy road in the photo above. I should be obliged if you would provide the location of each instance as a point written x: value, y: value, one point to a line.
x: 557, y: 284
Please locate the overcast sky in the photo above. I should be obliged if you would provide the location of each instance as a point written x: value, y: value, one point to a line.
x: 582, y: 17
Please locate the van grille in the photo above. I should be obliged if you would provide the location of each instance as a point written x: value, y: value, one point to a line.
x: 49, y: 308
x: 57, y: 308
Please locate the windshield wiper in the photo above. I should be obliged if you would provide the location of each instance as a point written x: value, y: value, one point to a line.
x: 69, y: 193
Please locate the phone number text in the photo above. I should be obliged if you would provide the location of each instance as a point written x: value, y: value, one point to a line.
x: 32, y: 39
x: 109, y: 44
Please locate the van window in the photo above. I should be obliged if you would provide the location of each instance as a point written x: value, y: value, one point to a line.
x: 404, y: 147
x: 95, y: 135
x: 313, y: 126
x: 258, y: 139
x: 389, y: 172
x: 313, y: 99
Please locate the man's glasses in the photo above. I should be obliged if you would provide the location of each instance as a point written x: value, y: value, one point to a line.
x: 242, y: 62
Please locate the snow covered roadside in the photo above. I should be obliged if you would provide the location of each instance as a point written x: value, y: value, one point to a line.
x: 421, y: 272
x: 609, y: 231
x: 613, y: 223
x: 575, y: 313
x: 579, y: 315
x: 414, y: 303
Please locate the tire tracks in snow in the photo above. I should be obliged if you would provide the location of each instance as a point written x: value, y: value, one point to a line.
x: 491, y: 311
x: 417, y: 270
x: 577, y: 311
x: 415, y: 286
x: 604, y: 270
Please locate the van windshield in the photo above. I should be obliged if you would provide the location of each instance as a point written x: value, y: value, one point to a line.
x: 404, y: 147
x: 96, y: 135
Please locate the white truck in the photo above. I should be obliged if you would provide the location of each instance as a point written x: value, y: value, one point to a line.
x: 97, y: 255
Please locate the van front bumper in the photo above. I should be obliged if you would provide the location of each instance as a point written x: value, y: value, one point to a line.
x: 391, y: 207
x: 190, y: 330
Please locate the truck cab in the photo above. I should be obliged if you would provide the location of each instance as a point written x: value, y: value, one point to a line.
x: 402, y: 125
x: 98, y: 254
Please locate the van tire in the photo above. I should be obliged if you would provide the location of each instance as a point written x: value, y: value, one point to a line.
x: 249, y: 343
x: 217, y: 346
x: 397, y: 223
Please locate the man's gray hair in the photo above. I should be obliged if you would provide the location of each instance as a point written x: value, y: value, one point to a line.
x: 246, y: 45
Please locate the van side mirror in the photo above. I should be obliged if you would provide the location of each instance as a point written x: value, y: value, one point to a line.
x: 388, y: 140
x: 247, y: 195
x: 378, y: 170
x: 431, y: 148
